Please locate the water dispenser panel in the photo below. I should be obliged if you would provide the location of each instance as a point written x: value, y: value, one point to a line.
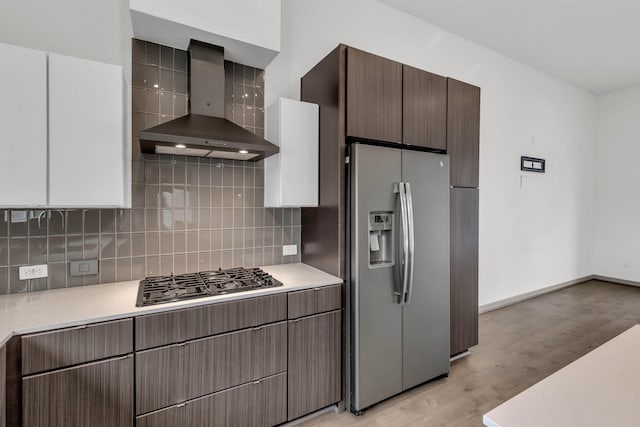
x: 381, y: 239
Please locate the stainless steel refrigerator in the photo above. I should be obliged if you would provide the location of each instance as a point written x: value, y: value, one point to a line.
x: 398, y: 271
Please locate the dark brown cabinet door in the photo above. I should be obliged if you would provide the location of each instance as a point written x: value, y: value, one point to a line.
x: 93, y: 395
x: 374, y: 97
x: 424, y: 109
x: 464, y: 269
x: 169, y: 375
x: 463, y: 132
x: 258, y: 404
x: 3, y: 384
x: 314, y: 363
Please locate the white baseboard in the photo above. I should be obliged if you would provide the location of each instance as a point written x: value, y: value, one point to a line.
x: 460, y: 356
x: 528, y: 295
x: 617, y: 281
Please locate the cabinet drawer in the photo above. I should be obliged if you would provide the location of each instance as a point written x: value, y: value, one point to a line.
x: 169, y: 375
x: 72, y: 346
x: 97, y: 394
x: 258, y: 404
x: 316, y: 300
x: 171, y: 327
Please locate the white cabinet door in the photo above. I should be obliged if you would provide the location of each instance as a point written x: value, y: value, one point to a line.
x: 23, y: 127
x: 291, y: 176
x: 86, y: 133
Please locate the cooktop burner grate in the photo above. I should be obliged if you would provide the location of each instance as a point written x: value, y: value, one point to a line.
x: 164, y: 289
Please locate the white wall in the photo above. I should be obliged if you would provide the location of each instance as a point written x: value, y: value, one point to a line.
x: 616, y: 249
x: 99, y: 30
x: 250, y: 21
x: 531, y: 236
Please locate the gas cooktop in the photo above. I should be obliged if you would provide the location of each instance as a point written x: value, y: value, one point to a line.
x: 163, y: 289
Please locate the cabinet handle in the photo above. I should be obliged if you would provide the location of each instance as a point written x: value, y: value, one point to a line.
x: 317, y: 289
x: 257, y: 328
x: 182, y: 344
x: 257, y: 382
x: 180, y: 405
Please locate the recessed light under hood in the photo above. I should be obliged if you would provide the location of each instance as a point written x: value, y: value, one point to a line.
x: 204, y: 132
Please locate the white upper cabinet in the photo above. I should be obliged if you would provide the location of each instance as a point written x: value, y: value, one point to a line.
x: 62, y: 132
x: 86, y: 133
x: 291, y: 176
x: 23, y: 127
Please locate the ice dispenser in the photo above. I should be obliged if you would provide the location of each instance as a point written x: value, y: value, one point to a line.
x: 381, y: 239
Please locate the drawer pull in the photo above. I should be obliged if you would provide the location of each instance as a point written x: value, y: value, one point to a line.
x: 257, y: 328
x: 182, y: 344
x: 317, y: 289
x: 257, y: 382
x: 181, y: 405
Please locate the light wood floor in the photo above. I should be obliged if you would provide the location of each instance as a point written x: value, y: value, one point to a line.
x: 519, y: 346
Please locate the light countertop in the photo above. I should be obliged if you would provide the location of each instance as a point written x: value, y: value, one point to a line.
x: 60, y: 308
x: 602, y: 388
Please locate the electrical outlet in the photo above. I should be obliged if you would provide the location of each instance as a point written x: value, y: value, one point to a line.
x: 83, y: 267
x: 289, y: 250
x: 33, y: 271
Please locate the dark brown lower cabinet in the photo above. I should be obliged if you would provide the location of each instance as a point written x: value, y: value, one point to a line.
x: 169, y: 327
x: 50, y: 350
x: 3, y: 386
x: 169, y: 375
x: 257, y: 404
x: 464, y: 269
x: 314, y: 363
x: 93, y: 395
x: 313, y: 301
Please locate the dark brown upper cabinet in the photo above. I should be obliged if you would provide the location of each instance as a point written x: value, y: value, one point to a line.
x: 374, y: 97
x: 463, y: 132
x: 424, y: 109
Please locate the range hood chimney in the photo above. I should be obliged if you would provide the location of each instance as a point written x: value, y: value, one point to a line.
x: 204, y: 132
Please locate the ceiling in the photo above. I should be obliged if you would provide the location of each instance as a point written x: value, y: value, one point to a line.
x: 592, y: 44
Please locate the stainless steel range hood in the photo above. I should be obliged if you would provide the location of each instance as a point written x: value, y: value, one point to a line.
x: 204, y: 132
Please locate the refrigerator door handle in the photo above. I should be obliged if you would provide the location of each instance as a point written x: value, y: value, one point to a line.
x: 401, y: 264
x: 397, y: 265
x: 411, y: 242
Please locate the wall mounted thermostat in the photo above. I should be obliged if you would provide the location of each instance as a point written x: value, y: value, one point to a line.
x: 531, y: 164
